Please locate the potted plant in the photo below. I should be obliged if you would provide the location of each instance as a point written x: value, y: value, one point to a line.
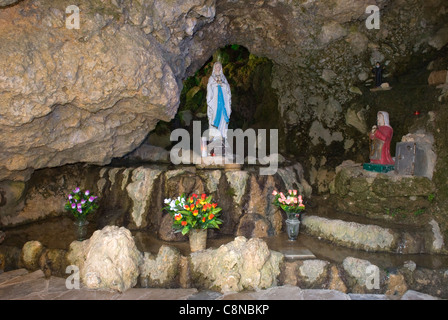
x: 81, y: 204
x: 292, y: 204
x: 193, y: 216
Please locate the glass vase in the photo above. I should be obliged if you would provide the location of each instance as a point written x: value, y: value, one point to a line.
x: 81, y: 229
x: 198, y: 239
x: 292, y: 229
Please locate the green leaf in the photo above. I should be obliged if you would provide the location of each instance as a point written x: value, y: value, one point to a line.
x: 185, y: 230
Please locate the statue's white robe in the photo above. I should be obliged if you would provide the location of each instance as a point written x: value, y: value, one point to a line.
x: 212, y: 105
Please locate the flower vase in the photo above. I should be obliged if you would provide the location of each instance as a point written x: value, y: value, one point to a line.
x: 198, y: 239
x: 292, y: 229
x: 81, y: 229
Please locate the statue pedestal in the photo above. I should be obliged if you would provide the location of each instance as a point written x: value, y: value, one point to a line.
x: 381, y: 168
x: 217, y: 163
x: 379, y: 195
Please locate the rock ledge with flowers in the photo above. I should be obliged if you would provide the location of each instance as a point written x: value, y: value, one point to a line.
x: 134, y: 196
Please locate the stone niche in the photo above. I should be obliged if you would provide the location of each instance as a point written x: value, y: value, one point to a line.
x: 379, y: 195
x: 133, y: 196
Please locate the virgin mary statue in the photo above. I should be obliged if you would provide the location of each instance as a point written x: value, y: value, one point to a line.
x: 218, y: 103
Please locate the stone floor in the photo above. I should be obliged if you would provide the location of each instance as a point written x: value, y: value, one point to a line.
x: 23, y: 285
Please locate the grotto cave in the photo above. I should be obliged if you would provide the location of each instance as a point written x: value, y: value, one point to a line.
x: 93, y: 108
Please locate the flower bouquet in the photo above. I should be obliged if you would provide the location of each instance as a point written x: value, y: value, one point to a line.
x: 80, y: 204
x: 292, y: 204
x: 193, y: 216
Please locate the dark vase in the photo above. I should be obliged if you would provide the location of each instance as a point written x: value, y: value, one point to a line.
x: 81, y: 229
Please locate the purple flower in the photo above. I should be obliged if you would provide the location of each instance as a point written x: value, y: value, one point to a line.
x: 91, y: 199
x: 83, y: 201
x: 80, y: 210
x: 79, y: 206
x: 74, y: 206
x: 76, y: 190
x: 70, y: 197
x: 87, y: 192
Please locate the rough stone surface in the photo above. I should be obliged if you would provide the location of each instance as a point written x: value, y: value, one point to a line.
x: 365, y: 237
x: 94, y: 107
x: 336, y: 282
x: 53, y: 262
x: 143, y: 50
x: 414, y: 295
x: 161, y: 271
x: 379, y: 195
x: 31, y: 253
x: 359, y: 271
x: 438, y: 77
x: 396, y: 285
x: 140, y: 191
x: 438, y: 242
x: 239, y: 265
x: 149, y: 153
x: 111, y: 260
x: 312, y: 270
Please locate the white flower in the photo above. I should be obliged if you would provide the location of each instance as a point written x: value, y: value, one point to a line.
x: 167, y: 201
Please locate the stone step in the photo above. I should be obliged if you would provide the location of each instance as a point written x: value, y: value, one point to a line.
x: 7, y: 276
x: 34, y: 286
x: 372, y: 237
x: 19, y: 276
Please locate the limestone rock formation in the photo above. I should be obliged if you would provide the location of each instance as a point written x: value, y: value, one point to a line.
x: 77, y: 96
x: 94, y: 93
x: 109, y: 259
x: 31, y: 253
x: 378, y: 195
x: 161, y: 271
x: 236, y: 266
x: 351, y: 234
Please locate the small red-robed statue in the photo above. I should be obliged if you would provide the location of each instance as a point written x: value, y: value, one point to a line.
x: 381, y: 137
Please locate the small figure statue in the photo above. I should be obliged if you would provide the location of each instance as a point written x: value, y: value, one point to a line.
x: 378, y: 72
x: 381, y: 137
x: 218, y: 104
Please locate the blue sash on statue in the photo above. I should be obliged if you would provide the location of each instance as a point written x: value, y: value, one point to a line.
x: 221, y: 110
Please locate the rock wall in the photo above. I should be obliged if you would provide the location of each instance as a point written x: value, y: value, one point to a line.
x: 380, y: 196
x: 134, y: 196
x: 93, y: 94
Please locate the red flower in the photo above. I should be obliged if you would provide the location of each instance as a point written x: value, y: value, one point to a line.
x: 195, y: 212
x: 195, y: 195
x: 187, y: 207
x: 203, y: 196
x: 184, y: 223
x: 215, y: 205
x: 210, y: 217
x: 203, y: 219
x: 192, y: 207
